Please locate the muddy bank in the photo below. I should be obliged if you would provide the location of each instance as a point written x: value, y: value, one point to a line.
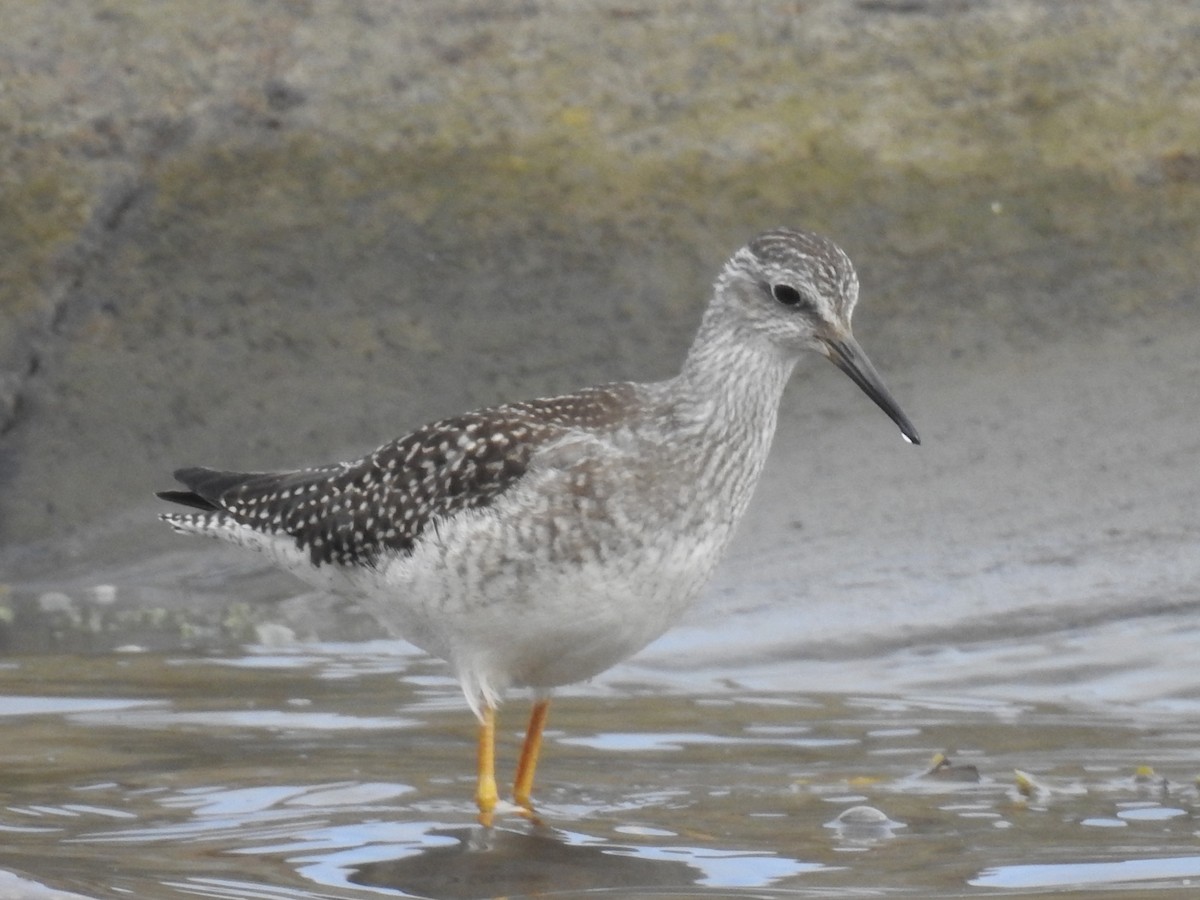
x: 1042, y: 542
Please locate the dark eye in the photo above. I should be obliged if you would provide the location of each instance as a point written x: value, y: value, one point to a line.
x: 786, y: 294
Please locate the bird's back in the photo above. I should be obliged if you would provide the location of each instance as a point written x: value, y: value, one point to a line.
x: 354, y: 514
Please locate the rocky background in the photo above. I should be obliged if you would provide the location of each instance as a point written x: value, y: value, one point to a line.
x: 270, y: 234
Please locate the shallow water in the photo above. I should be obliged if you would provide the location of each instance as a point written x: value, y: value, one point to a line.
x: 344, y: 770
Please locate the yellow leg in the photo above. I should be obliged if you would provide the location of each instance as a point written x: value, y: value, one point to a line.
x: 523, y: 785
x: 486, y: 794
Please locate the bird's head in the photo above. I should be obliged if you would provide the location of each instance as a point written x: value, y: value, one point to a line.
x: 799, y: 290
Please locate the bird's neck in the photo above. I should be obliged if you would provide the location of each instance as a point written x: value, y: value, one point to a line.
x: 734, y: 377
x: 723, y: 407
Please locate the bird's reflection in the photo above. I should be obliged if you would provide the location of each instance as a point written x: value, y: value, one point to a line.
x: 498, y: 862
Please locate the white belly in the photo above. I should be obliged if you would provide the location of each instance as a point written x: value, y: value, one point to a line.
x: 519, y: 607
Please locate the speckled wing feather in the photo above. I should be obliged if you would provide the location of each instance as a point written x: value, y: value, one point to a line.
x: 352, y: 513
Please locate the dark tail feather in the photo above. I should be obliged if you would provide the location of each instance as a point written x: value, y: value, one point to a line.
x: 205, y: 487
x: 186, y: 498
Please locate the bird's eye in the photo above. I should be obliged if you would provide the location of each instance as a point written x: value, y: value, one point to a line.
x: 786, y: 294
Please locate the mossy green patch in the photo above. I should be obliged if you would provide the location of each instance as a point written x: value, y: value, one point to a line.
x: 563, y: 182
x: 44, y: 210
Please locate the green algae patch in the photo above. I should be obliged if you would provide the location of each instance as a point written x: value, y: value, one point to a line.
x: 567, y: 183
x: 44, y: 210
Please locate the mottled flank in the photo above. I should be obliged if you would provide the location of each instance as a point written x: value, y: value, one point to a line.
x: 351, y: 513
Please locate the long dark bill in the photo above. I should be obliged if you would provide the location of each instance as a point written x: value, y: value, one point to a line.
x: 848, y: 356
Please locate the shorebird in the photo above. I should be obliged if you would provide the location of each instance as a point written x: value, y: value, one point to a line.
x: 538, y: 543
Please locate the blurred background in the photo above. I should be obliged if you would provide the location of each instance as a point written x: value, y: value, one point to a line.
x: 263, y: 235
